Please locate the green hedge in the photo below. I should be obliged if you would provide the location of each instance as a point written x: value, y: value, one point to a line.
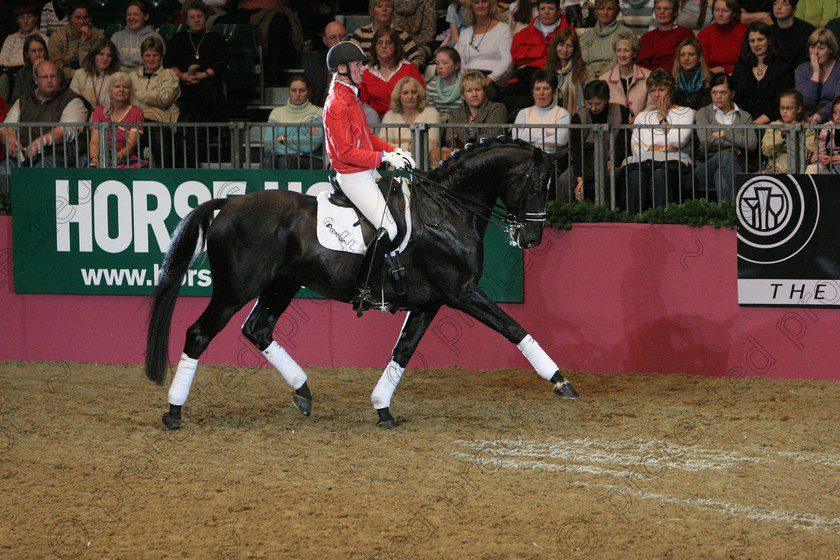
x: 691, y: 213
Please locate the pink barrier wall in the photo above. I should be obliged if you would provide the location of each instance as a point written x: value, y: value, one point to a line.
x: 600, y: 297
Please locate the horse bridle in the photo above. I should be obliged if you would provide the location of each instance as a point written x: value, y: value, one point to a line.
x: 499, y: 216
x: 514, y: 223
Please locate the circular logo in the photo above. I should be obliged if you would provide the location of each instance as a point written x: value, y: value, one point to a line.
x: 777, y: 216
x: 576, y: 538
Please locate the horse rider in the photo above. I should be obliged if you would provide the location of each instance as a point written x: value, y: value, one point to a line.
x: 355, y: 153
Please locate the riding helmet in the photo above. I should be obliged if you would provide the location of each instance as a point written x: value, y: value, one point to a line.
x: 343, y: 52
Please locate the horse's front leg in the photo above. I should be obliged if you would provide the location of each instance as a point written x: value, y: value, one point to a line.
x: 412, y: 331
x: 477, y: 304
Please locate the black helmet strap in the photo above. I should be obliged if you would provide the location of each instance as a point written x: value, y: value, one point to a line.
x: 348, y: 74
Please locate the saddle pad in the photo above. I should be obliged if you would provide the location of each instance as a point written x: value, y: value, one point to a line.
x: 338, y: 229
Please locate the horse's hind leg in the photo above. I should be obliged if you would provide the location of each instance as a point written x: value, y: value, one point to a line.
x: 258, y: 329
x: 476, y: 303
x: 412, y: 331
x: 217, y: 314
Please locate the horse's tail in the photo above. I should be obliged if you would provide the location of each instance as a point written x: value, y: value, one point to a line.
x: 186, y: 246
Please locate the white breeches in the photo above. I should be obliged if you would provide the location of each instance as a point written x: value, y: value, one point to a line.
x: 362, y: 191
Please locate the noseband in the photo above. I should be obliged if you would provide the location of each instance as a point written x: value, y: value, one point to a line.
x: 513, y: 221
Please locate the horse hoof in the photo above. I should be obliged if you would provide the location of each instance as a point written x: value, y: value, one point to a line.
x: 385, y: 419
x: 303, y: 404
x: 564, y: 390
x: 171, y: 422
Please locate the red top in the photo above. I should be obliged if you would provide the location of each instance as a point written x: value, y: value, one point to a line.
x: 530, y: 47
x: 350, y: 144
x: 659, y: 48
x: 721, y: 44
x: 3, y: 108
x: 376, y: 92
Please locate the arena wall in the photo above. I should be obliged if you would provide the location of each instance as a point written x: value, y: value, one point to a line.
x: 600, y: 297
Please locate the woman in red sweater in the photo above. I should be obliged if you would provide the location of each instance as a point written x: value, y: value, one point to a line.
x: 388, y: 66
x: 722, y: 40
x: 659, y: 46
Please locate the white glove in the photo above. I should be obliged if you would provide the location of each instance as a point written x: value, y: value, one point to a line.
x: 396, y: 159
x: 407, y: 155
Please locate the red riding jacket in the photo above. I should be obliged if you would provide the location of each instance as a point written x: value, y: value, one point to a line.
x: 350, y: 144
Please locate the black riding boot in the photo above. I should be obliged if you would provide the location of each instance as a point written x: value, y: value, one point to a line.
x: 369, y: 273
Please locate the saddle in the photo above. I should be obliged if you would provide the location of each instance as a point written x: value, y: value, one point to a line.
x: 394, y: 199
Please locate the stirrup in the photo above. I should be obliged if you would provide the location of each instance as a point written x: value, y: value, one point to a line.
x: 365, y: 300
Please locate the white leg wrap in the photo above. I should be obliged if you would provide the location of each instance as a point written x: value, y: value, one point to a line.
x: 288, y: 368
x: 180, y: 388
x: 544, y: 365
x: 384, y: 390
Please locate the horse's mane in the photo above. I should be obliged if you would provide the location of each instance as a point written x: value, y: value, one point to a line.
x: 445, y: 168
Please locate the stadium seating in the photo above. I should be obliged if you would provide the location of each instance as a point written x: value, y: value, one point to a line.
x: 168, y: 30
x: 244, y: 73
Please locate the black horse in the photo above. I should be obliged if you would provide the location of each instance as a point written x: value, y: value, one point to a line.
x: 264, y: 245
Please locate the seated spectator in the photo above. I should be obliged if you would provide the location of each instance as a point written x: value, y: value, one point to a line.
x: 774, y: 146
x: 485, y: 45
x: 295, y: 147
x: 382, y: 15
x: 444, y: 89
x: 659, y: 46
x: 692, y: 76
x: 566, y: 60
x: 660, y: 159
x: 388, y: 65
x: 726, y: 151
x: 530, y: 46
x: 819, y: 79
x: 760, y: 77
x: 409, y: 105
x: 12, y: 55
x: 828, y: 146
x: 597, y: 42
x: 418, y: 18
x: 70, y: 44
x: 791, y: 33
x: 35, y: 48
x: 116, y: 108
x: 199, y: 58
x: 722, y: 40
x: 521, y: 14
x: 627, y: 80
x: 477, y: 109
x: 545, y: 111
x: 155, y: 89
x: 818, y: 12
x: 457, y: 21
x: 53, y: 16
x: 128, y: 40
x: 316, y: 69
x: 89, y: 80
x: 597, y: 110
x: 695, y: 14
x: 48, y: 103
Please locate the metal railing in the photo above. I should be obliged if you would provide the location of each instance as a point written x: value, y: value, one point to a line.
x: 595, y: 153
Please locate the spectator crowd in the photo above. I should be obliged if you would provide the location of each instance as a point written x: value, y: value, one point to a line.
x: 702, y: 73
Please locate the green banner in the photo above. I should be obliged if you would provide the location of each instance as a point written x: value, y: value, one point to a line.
x: 104, y: 231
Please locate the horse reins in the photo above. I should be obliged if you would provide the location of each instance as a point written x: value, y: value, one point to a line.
x: 499, y: 216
